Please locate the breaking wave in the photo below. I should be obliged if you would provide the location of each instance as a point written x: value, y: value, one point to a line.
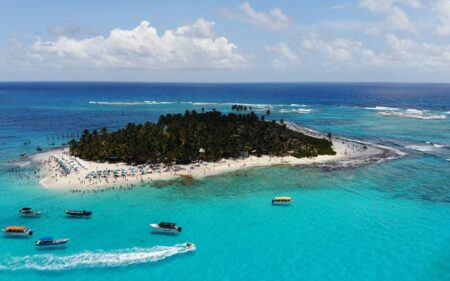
x: 94, y: 259
x: 254, y: 106
x: 427, y: 147
x: 296, y: 110
x: 129, y: 102
x: 408, y: 113
x: 383, y: 108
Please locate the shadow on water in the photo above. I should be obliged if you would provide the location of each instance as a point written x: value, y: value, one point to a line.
x: 155, y: 232
x: 51, y: 248
x: 17, y: 237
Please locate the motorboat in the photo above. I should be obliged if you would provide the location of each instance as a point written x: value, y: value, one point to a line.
x: 282, y: 200
x: 17, y: 231
x: 50, y: 241
x: 75, y: 213
x: 166, y: 227
x: 29, y: 212
x: 190, y: 246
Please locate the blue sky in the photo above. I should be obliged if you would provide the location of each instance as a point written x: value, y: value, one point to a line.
x: 225, y: 41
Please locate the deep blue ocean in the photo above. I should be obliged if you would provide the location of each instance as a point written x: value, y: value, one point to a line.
x: 384, y: 221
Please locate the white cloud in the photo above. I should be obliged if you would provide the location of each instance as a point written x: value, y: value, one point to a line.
x: 395, y: 17
x: 400, y: 54
x: 442, y: 10
x: 194, y: 46
x: 286, y: 58
x: 342, y: 50
x: 273, y: 20
x: 405, y: 52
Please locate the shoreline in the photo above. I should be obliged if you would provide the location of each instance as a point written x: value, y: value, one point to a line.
x: 349, y: 153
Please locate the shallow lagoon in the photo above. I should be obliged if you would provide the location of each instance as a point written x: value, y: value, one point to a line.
x: 387, y: 221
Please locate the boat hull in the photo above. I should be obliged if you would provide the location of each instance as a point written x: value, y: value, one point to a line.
x: 18, y: 234
x: 78, y: 214
x: 281, y: 203
x: 34, y: 214
x: 51, y: 244
x: 162, y: 229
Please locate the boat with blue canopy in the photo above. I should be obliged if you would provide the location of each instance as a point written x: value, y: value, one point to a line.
x: 50, y: 241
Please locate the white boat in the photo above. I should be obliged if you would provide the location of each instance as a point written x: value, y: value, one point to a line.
x: 166, y: 227
x: 49, y: 241
x: 28, y: 212
x: 282, y: 200
x: 17, y: 231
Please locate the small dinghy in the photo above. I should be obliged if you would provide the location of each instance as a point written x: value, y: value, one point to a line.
x: 75, y: 213
x: 29, y: 212
x: 50, y: 241
x: 281, y: 200
x: 166, y: 227
x: 17, y: 231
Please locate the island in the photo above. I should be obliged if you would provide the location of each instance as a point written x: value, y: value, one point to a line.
x: 208, y: 136
x: 195, y: 145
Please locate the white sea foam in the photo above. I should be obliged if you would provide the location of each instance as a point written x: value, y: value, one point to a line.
x: 385, y: 108
x: 298, y: 105
x: 421, y: 147
x: 23, y: 164
x: 296, y: 110
x: 413, y: 114
x: 205, y: 103
x: 93, y: 259
x: 130, y: 102
x: 157, y: 102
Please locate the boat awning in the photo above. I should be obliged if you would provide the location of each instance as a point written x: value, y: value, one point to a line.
x: 46, y: 238
x: 15, y: 228
x: 283, y: 198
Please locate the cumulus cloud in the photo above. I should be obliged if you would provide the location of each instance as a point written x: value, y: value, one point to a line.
x: 395, y: 16
x: 400, y: 53
x: 273, y: 20
x: 342, y: 50
x: 194, y: 46
x: 442, y: 10
x: 408, y: 53
x: 286, y: 58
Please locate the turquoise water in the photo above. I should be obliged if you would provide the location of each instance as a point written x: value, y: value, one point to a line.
x: 385, y: 221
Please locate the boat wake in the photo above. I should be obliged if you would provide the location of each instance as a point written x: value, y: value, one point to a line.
x: 94, y: 259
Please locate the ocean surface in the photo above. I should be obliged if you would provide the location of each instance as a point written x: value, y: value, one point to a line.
x: 384, y: 221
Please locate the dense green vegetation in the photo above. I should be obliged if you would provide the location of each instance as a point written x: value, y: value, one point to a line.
x: 193, y: 136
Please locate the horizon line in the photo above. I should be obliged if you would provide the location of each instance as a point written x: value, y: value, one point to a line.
x: 224, y: 82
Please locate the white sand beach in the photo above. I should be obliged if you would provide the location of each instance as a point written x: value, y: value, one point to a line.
x: 347, y: 151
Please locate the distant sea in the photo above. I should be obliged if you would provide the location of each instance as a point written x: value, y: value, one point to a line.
x: 384, y: 221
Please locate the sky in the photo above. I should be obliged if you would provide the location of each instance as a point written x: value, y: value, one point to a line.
x: 225, y: 41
